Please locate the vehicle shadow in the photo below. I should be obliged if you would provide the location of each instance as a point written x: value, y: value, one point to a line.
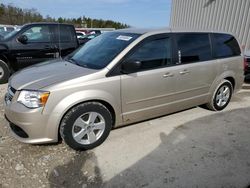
x: 76, y: 172
x: 211, y: 151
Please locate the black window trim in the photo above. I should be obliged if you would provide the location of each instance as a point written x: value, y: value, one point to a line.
x: 116, y: 70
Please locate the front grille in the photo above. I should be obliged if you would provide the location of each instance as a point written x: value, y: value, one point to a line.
x: 10, y: 94
x: 12, y: 90
x: 9, y: 97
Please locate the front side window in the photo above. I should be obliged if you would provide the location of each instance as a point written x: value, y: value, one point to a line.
x: 38, y: 34
x: 193, y: 47
x: 153, y: 53
x: 226, y: 45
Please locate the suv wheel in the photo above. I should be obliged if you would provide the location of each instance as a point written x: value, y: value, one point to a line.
x: 4, y: 72
x: 86, y: 126
x: 221, y: 96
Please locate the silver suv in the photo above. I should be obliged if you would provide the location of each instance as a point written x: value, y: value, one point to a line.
x: 120, y: 78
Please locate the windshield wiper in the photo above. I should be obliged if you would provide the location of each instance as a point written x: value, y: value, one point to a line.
x: 71, y: 60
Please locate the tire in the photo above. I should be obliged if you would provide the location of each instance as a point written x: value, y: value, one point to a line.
x: 86, y: 126
x: 4, y: 72
x: 221, y: 96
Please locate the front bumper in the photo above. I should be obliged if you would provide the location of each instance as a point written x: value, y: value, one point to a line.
x: 37, y: 126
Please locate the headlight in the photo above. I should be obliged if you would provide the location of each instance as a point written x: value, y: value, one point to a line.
x: 33, y: 99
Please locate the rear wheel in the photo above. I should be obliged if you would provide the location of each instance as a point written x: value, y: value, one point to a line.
x: 4, y: 72
x: 86, y: 126
x: 221, y: 96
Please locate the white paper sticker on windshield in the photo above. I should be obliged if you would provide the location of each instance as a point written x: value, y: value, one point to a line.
x: 122, y: 37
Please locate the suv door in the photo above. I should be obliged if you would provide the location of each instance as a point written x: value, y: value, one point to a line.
x: 195, y: 68
x: 147, y: 92
x: 38, y: 47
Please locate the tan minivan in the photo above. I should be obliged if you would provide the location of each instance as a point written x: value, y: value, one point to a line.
x: 119, y: 78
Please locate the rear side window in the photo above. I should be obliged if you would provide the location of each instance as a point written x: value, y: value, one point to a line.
x: 193, y: 47
x: 66, y: 33
x: 226, y: 46
x: 153, y: 53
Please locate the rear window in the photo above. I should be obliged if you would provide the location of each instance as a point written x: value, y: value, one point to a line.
x: 226, y: 46
x: 193, y: 47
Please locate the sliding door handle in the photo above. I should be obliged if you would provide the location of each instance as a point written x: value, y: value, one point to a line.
x: 167, y: 75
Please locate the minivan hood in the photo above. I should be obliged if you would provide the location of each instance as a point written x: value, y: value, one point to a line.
x: 47, y: 73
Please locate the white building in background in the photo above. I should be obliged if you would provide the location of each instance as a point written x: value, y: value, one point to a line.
x: 218, y: 15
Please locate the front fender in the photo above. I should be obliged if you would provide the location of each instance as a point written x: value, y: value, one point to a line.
x: 79, y: 97
x: 4, y: 53
x: 3, y: 48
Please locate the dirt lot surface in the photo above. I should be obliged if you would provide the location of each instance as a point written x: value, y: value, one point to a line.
x: 192, y: 148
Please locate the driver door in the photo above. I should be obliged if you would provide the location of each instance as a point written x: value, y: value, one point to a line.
x: 36, y: 49
x: 148, y: 92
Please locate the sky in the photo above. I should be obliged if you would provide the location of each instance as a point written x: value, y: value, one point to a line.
x: 136, y: 13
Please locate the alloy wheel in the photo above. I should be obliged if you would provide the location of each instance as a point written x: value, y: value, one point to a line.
x: 223, y: 95
x: 88, y: 128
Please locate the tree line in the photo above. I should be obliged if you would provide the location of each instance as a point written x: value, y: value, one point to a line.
x: 11, y: 15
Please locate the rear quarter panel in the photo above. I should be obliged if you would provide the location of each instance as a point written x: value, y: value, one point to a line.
x: 229, y: 67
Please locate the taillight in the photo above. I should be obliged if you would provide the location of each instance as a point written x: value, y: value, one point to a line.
x: 245, y: 64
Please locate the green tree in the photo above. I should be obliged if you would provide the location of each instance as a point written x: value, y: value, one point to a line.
x: 9, y: 14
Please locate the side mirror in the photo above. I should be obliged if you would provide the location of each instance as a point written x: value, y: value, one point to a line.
x: 131, y: 67
x: 23, y: 39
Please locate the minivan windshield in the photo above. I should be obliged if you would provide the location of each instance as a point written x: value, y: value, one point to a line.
x: 100, y: 51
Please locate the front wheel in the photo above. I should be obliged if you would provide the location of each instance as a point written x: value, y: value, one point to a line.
x: 86, y: 126
x: 4, y: 72
x: 221, y: 96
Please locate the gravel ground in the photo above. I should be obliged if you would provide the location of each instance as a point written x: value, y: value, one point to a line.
x: 23, y: 165
x: 193, y: 148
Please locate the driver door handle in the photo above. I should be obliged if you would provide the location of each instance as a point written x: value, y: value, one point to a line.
x: 47, y: 47
x: 185, y: 71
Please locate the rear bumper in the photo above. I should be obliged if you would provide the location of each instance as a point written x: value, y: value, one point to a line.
x: 247, y: 75
x: 239, y: 82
